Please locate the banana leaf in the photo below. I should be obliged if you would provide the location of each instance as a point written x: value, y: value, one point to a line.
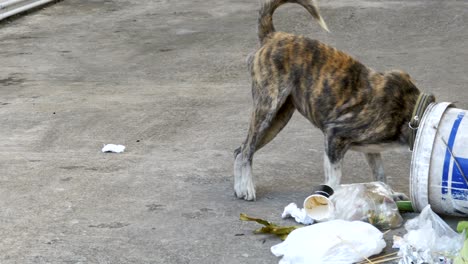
x: 270, y: 228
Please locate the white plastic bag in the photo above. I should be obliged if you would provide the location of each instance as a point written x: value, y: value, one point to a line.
x: 370, y: 202
x: 336, y: 241
x: 429, y: 240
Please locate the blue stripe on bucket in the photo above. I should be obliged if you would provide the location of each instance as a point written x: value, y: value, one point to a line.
x: 451, y: 141
x: 459, y: 185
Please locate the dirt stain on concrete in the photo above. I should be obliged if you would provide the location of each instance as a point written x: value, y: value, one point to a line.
x: 111, y: 225
x: 11, y: 80
x: 73, y: 167
x: 155, y: 207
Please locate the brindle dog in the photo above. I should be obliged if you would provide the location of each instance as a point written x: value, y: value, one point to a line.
x: 354, y: 106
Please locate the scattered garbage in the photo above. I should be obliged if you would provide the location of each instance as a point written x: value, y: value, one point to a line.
x: 347, y: 224
x: 270, y: 228
x: 113, y: 148
x: 299, y: 214
x: 370, y: 202
x: 429, y: 240
x: 335, y: 241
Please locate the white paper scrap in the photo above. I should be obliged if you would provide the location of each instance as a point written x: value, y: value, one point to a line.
x: 298, y: 214
x: 113, y: 148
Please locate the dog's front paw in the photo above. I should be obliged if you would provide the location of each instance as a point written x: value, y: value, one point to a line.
x: 244, y: 187
x: 245, y: 192
x: 397, y: 196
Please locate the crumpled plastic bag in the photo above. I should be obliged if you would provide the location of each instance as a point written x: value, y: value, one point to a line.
x: 335, y: 241
x: 429, y: 240
x: 462, y: 258
x: 370, y: 202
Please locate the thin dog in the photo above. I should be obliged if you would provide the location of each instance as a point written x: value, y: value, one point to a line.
x: 354, y: 106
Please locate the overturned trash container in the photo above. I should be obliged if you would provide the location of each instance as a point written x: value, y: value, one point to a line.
x: 439, y: 165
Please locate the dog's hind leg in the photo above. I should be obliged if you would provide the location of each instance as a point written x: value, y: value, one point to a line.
x: 280, y: 120
x: 375, y: 163
x: 267, y: 120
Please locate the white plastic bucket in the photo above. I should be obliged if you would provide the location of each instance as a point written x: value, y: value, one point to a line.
x: 439, y: 166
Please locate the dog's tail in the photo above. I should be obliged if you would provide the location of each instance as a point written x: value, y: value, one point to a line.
x: 265, y: 19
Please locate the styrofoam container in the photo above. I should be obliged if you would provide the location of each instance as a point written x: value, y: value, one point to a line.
x: 439, y: 165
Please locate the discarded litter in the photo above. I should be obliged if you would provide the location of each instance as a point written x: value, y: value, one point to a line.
x: 299, y: 214
x: 270, y: 228
x: 335, y: 241
x: 429, y: 240
x: 113, y: 148
x: 370, y: 202
x: 356, y: 212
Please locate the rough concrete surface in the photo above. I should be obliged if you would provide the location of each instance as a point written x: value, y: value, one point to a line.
x: 168, y: 79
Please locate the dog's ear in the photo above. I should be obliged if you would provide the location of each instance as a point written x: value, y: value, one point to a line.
x: 401, y: 81
x: 401, y: 74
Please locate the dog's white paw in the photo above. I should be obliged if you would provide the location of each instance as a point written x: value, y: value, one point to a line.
x: 244, y: 187
x: 246, y: 191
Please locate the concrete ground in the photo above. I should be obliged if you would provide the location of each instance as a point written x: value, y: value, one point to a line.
x: 168, y: 80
